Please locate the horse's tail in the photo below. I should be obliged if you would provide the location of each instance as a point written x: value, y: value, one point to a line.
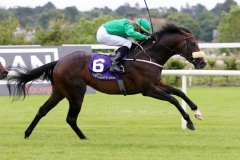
x: 17, y: 82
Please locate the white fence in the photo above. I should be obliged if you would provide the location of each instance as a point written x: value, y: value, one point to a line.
x: 201, y: 45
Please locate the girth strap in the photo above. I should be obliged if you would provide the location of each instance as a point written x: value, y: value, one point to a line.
x: 121, y: 87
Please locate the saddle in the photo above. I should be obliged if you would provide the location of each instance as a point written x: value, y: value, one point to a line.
x: 99, y: 67
x: 100, y: 64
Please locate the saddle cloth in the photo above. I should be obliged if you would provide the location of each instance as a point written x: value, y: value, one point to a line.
x: 99, y: 66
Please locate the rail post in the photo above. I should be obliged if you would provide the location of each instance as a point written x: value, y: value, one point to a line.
x: 184, y: 89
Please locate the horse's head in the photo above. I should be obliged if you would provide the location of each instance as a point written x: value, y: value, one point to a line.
x: 190, y: 50
x: 179, y: 40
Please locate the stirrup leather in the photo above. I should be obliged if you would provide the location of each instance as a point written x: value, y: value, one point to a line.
x: 117, y: 68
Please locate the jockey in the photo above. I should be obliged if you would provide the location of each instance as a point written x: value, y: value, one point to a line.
x: 117, y: 32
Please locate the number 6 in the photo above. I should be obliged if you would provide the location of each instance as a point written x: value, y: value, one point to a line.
x: 98, y: 65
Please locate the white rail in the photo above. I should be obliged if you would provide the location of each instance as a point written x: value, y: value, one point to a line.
x: 202, y: 72
x: 201, y: 45
x: 219, y: 45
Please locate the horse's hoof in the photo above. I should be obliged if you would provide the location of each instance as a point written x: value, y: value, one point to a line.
x: 84, y: 138
x: 198, y: 115
x: 27, y: 134
x: 190, y: 126
x: 26, y: 137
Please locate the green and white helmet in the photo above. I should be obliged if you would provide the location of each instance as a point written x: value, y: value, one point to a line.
x: 143, y: 24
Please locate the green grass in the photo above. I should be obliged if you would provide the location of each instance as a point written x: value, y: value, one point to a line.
x: 118, y: 127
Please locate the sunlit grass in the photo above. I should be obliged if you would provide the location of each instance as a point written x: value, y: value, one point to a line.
x: 118, y: 127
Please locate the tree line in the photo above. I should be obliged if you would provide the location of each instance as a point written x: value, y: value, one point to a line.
x: 49, y: 25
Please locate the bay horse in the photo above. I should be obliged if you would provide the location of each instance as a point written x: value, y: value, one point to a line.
x: 3, y: 71
x: 143, y: 65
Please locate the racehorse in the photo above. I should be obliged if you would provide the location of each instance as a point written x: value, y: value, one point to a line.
x: 3, y: 71
x: 70, y: 75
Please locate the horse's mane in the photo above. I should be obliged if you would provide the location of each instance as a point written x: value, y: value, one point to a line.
x: 169, y: 28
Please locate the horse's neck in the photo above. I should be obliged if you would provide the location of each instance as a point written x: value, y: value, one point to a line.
x: 162, y: 57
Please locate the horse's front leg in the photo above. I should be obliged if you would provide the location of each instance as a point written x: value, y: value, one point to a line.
x: 156, y: 92
x: 171, y: 90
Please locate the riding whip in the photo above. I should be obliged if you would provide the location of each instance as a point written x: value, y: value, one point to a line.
x: 149, y: 15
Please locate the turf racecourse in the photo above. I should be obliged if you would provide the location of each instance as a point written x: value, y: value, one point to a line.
x: 118, y: 127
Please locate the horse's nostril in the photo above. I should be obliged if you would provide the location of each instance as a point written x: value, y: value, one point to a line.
x: 203, y: 64
x: 5, y: 72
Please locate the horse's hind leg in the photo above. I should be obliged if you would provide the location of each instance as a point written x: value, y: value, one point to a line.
x: 171, y: 90
x: 44, y: 109
x: 75, y: 104
x: 74, y: 110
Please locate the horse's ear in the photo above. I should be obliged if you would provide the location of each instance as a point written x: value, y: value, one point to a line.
x: 183, y: 32
x: 153, y: 36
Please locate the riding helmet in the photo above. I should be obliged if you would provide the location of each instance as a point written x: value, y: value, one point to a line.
x: 143, y: 24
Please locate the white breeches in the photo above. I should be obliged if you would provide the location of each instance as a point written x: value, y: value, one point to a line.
x: 112, y: 40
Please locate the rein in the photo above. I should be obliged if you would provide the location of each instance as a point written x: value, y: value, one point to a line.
x: 141, y: 60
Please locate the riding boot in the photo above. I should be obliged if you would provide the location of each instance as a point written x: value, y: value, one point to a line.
x: 116, y: 64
